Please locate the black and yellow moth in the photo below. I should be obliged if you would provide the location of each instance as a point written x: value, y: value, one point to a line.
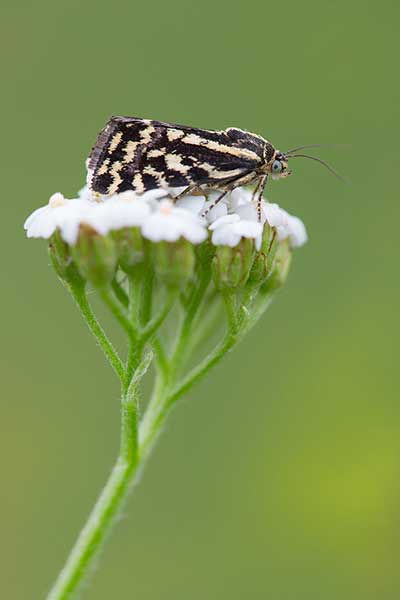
x: 140, y: 155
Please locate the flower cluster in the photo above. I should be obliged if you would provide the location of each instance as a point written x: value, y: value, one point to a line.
x: 159, y: 219
x: 92, y: 237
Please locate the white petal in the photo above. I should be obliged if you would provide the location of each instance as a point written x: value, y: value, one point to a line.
x: 35, y: 216
x: 282, y: 232
x: 247, y: 212
x: 226, y: 220
x: 185, y: 215
x: 239, y: 197
x: 159, y: 227
x: 169, y: 223
x: 69, y: 217
x: 155, y: 194
x: 193, y: 204
x: 195, y: 233
x: 219, y: 210
x: 297, y: 232
x: 69, y: 231
x: 42, y: 227
x: 225, y: 236
x: 126, y: 213
x: 97, y: 219
x: 275, y: 215
x: 249, y: 229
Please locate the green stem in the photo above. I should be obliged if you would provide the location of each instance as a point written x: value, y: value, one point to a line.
x: 146, y: 296
x: 210, y: 319
x: 258, y: 308
x: 139, y: 374
x: 109, y: 299
x: 161, y: 356
x: 79, y: 294
x: 158, y: 319
x: 106, y: 508
x: 230, y: 303
x: 135, y: 343
x: 153, y: 420
x: 202, y: 368
x: 179, y: 356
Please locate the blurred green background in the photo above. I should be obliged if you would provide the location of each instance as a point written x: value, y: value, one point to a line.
x: 280, y: 476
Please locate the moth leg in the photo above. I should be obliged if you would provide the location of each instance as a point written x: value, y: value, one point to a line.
x: 216, y: 201
x: 256, y: 190
x: 194, y: 189
x: 260, y: 191
x: 230, y: 185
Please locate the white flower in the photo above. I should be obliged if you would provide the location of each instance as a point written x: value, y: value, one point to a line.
x: 170, y: 223
x: 239, y: 197
x: 59, y: 213
x: 219, y: 210
x: 276, y: 217
x: 193, y: 204
x: 228, y: 230
x: 287, y: 226
x: 233, y: 218
x: 122, y: 210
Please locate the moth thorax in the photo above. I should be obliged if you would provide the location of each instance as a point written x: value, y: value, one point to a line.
x: 269, y: 152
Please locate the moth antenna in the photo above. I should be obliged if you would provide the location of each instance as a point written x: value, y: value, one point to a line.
x: 323, y: 162
x: 313, y: 146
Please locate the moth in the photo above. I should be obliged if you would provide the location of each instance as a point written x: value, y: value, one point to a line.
x: 141, y: 154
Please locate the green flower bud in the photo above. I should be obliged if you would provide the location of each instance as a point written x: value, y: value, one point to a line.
x: 281, y: 267
x: 264, y: 259
x: 174, y: 262
x: 205, y: 253
x: 231, y: 266
x: 61, y: 259
x: 95, y: 256
x: 130, y: 248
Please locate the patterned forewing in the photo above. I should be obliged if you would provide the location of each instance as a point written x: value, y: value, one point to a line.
x: 140, y: 155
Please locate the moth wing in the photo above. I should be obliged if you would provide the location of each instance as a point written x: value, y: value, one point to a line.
x: 138, y: 154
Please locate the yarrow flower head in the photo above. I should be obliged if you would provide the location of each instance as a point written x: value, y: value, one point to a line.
x: 161, y: 219
x: 176, y: 243
x: 170, y: 223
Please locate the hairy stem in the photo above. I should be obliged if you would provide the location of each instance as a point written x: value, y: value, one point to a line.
x: 179, y: 356
x: 110, y: 300
x: 202, y: 368
x: 106, y: 508
x: 79, y: 294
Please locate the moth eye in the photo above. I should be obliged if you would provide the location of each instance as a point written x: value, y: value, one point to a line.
x: 276, y: 166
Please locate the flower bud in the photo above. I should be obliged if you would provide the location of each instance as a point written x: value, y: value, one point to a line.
x: 130, y: 248
x: 95, y: 256
x: 264, y: 259
x: 281, y: 266
x: 205, y: 253
x: 61, y: 259
x: 231, y: 266
x: 174, y: 262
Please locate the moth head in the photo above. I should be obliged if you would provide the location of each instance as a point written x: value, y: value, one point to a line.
x: 278, y: 166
